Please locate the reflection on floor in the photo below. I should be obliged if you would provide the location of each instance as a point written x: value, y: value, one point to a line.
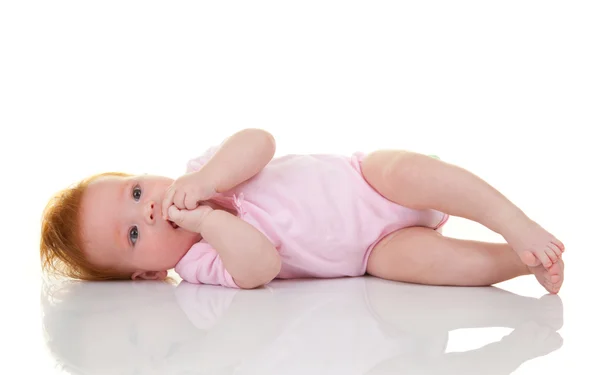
x: 342, y: 326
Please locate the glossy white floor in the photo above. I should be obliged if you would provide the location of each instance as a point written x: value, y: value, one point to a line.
x: 346, y: 326
x: 354, y: 326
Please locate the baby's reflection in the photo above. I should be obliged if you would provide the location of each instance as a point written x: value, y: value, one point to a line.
x: 346, y: 326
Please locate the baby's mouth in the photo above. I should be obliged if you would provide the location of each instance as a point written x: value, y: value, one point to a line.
x: 173, y: 225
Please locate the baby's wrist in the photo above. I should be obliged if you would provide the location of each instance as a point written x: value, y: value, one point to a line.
x: 208, y: 179
x: 208, y: 211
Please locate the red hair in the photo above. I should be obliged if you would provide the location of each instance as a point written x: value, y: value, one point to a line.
x: 61, y: 246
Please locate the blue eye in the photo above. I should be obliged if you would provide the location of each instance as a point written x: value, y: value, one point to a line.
x: 133, y: 235
x: 137, y: 193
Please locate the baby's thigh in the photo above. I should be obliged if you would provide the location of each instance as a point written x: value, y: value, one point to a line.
x: 375, y: 168
x: 407, y: 255
x: 391, y: 172
x: 387, y: 170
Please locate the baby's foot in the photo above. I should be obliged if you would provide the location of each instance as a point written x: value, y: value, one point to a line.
x: 552, y: 278
x: 534, y: 244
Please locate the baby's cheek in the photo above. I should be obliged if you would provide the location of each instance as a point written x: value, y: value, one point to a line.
x: 164, y: 247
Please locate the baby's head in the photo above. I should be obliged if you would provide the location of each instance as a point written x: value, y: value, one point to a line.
x: 110, y: 226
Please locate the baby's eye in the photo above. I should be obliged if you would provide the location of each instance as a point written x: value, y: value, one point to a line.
x: 137, y: 193
x: 133, y: 235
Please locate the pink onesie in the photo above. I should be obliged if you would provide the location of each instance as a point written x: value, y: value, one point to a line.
x: 318, y: 211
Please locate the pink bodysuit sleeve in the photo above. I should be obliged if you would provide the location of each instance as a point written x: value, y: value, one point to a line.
x: 197, y: 163
x: 203, y: 265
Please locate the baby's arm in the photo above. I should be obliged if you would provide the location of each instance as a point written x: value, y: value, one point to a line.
x: 247, y: 254
x: 239, y: 158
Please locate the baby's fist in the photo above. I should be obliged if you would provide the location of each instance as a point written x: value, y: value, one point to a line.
x: 190, y: 220
x: 188, y: 191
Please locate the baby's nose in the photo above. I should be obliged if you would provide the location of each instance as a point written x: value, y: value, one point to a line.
x: 149, y: 214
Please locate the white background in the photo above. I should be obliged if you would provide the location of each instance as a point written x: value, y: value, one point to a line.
x: 509, y: 90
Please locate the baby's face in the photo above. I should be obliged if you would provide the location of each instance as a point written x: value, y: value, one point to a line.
x: 123, y: 228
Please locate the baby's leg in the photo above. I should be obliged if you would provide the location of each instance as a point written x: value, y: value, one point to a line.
x: 421, y: 182
x: 423, y: 256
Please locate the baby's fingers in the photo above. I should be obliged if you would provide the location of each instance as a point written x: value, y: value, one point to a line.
x: 178, y: 217
x: 179, y: 199
x: 190, y: 202
x: 188, y: 220
x: 167, y: 202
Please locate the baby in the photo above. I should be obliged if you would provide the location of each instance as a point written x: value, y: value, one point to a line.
x: 240, y: 218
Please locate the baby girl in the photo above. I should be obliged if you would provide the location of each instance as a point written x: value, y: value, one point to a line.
x: 240, y: 218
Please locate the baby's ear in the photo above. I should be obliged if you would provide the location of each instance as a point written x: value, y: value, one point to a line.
x: 149, y: 275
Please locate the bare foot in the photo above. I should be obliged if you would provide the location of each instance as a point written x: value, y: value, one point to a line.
x: 552, y: 278
x: 534, y: 244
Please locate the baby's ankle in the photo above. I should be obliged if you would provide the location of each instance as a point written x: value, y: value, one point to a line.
x: 509, y: 222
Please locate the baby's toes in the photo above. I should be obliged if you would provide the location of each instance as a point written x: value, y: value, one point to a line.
x: 545, y: 258
x: 555, y: 274
x: 559, y: 244
x: 555, y: 249
x: 552, y: 255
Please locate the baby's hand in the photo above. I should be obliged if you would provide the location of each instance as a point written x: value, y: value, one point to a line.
x: 190, y: 220
x: 187, y: 192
